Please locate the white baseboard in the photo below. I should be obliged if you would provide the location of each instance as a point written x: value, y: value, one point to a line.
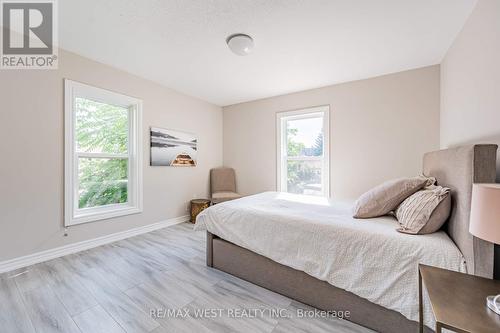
x: 35, y: 258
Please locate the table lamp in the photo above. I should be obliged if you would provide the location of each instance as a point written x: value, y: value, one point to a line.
x: 485, y: 222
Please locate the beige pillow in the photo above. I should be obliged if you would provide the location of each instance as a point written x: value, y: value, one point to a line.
x: 424, y: 212
x: 386, y: 197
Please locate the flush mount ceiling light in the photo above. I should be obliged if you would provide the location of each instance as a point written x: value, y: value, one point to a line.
x: 240, y: 44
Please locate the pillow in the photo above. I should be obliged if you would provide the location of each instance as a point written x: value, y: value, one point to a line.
x: 424, y: 212
x: 386, y: 197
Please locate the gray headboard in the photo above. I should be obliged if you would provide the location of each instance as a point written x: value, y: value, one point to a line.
x: 458, y: 168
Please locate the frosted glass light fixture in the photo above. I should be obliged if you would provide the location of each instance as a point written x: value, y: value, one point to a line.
x: 240, y: 44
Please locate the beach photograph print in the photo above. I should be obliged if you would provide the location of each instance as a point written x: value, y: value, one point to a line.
x: 172, y: 148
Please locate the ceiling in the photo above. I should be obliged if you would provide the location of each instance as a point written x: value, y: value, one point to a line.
x: 299, y: 44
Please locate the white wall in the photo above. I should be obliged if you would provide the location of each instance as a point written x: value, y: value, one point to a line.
x: 379, y: 130
x: 470, y: 81
x: 31, y: 146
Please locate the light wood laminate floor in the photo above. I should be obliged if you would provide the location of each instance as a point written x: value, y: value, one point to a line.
x: 115, y: 287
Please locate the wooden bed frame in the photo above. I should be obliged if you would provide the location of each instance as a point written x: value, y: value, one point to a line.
x: 456, y: 168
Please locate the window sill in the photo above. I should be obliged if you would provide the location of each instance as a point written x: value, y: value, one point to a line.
x: 103, y: 215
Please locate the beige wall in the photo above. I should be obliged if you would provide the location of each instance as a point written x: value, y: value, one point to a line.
x: 379, y: 129
x: 470, y: 81
x: 31, y: 162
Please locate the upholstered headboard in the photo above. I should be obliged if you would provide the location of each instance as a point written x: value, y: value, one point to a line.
x: 458, y: 168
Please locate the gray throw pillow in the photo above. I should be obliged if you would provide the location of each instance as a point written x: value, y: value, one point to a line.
x: 386, y: 197
x: 424, y: 212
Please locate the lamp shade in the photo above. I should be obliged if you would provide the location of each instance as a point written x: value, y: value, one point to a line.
x: 485, y: 212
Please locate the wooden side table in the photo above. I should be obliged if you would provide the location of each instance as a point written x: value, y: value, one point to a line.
x: 458, y: 300
x: 197, y: 206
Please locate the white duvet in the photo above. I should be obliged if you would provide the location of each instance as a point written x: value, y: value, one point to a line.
x: 366, y: 257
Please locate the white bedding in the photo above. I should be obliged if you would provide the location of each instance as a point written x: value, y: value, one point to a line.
x: 366, y: 257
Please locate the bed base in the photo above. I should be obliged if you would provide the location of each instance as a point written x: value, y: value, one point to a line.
x: 259, y: 270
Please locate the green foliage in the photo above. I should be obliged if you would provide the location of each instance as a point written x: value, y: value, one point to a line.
x: 318, y: 145
x: 102, y: 181
x: 300, y: 173
x: 293, y: 148
x: 101, y: 128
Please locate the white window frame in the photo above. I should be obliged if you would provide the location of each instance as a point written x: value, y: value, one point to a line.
x: 73, y: 214
x: 281, y: 147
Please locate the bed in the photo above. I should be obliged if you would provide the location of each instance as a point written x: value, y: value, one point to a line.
x: 311, y: 249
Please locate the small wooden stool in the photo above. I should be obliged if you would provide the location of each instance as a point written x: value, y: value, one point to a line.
x: 197, y: 206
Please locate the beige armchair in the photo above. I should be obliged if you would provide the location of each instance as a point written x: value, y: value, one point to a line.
x: 223, y: 185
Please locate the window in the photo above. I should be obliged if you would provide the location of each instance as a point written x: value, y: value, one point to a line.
x: 103, y: 154
x: 303, y: 162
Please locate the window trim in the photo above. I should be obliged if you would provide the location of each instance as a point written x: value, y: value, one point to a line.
x: 72, y: 214
x: 281, y: 157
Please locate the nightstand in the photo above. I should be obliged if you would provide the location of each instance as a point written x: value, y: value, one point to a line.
x: 197, y: 206
x: 458, y: 300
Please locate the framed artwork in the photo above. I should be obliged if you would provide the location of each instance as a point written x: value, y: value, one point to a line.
x: 173, y: 148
